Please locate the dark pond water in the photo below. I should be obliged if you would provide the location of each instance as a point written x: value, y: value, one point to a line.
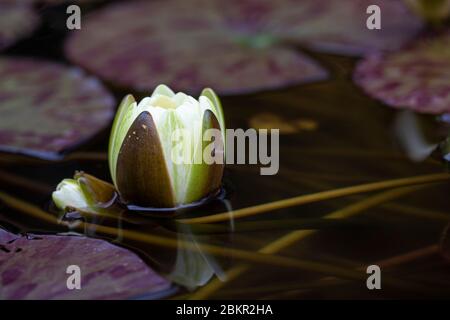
x: 345, y: 139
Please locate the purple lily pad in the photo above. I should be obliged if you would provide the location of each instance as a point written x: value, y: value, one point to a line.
x: 333, y: 26
x: 187, y: 45
x: 16, y: 21
x: 47, y: 108
x: 232, y: 46
x: 34, y: 267
x: 50, y: 2
x: 416, y: 78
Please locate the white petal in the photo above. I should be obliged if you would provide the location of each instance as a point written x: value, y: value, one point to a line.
x: 159, y: 100
x: 69, y: 194
x: 162, y: 89
x: 180, y: 98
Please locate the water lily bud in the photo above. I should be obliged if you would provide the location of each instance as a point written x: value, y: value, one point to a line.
x: 69, y: 194
x: 83, y: 192
x: 144, y: 144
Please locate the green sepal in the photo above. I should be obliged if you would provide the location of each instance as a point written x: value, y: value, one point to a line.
x: 118, y: 132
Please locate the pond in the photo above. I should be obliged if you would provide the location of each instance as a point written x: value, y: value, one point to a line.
x: 332, y: 136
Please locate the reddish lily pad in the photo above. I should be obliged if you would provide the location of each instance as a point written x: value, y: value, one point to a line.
x: 333, y: 26
x: 34, y: 267
x: 50, y: 2
x: 233, y: 46
x: 16, y: 21
x: 47, y: 108
x: 416, y: 78
x: 187, y: 45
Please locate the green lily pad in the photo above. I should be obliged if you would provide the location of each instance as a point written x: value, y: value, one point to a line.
x: 47, y: 108
x: 416, y: 78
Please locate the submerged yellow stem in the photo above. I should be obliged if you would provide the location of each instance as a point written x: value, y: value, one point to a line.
x: 319, y: 196
x: 329, y: 281
x: 295, y: 236
x: 248, y: 256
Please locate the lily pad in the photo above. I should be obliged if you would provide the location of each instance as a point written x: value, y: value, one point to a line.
x: 34, y: 267
x: 16, y: 21
x: 333, y: 26
x: 51, y: 2
x: 47, y: 108
x: 187, y: 45
x: 416, y: 78
x: 233, y: 46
